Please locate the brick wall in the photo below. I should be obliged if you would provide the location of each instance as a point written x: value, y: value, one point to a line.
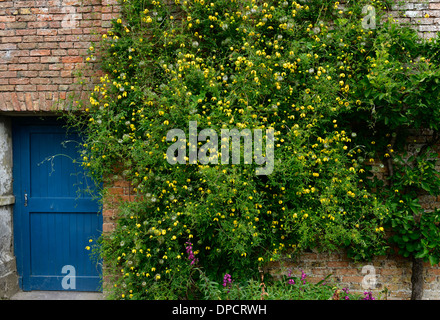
x: 117, y: 189
x: 42, y: 43
x: 423, y: 15
x: 392, y: 272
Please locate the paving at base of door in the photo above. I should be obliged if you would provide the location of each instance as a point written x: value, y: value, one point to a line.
x: 57, y: 295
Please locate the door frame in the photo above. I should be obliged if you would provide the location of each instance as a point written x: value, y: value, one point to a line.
x: 21, y: 230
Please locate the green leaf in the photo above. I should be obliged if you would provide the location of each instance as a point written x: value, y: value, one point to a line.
x: 410, y: 247
x: 414, y: 235
x: 420, y: 255
x: 433, y: 260
x: 425, y: 186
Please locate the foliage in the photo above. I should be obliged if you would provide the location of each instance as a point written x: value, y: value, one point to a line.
x: 399, y: 93
x: 286, y: 288
x: 339, y: 96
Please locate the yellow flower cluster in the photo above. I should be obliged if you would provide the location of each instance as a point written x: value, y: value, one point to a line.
x: 266, y: 67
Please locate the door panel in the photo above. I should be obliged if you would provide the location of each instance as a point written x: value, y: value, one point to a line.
x: 54, y: 215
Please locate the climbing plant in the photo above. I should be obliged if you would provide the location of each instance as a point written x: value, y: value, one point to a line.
x: 339, y: 86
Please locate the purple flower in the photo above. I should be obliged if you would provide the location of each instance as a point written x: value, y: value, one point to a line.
x: 227, y: 279
x: 291, y: 281
x: 346, y: 292
x: 368, y: 295
x: 191, y: 253
x: 303, y: 276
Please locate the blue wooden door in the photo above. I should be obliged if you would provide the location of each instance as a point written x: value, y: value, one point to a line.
x: 55, y: 215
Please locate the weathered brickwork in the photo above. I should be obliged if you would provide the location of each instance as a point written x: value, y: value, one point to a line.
x: 42, y: 43
x: 392, y: 272
x: 423, y: 15
x: 118, y: 190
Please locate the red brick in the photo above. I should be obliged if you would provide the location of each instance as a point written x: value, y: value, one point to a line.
x: 59, y: 52
x: 39, y: 80
x: 7, y: 19
x: 50, y: 59
x: 109, y: 212
x: 26, y: 46
x: 108, y: 227
x: 14, y: 100
x: 33, y: 39
x: 42, y: 101
x: 48, y: 45
x: 25, y: 32
x: 11, y: 39
x: 26, y: 18
x: 19, y: 81
x: 59, y: 80
x: 121, y: 183
x: 47, y: 87
x: 8, y: 46
x: 47, y: 32
x: 432, y: 271
x: 37, y: 67
x: 55, y: 66
x: 8, y: 74
x: 49, y: 74
x: 7, y: 33
x: 25, y: 87
x: 71, y: 59
x: 17, y: 67
x: 40, y: 52
x: 7, y: 88
x: 338, y: 264
x: 345, y: 271
x: 45, y: 17
x: 17, y: 25
x: 116, y: 190
x: 24, y: 4
x: 357, y: 279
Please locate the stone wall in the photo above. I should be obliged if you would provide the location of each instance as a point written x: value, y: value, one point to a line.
x: 8, y: 274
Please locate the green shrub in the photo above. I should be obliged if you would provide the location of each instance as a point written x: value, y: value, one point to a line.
x: 328, y: 87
